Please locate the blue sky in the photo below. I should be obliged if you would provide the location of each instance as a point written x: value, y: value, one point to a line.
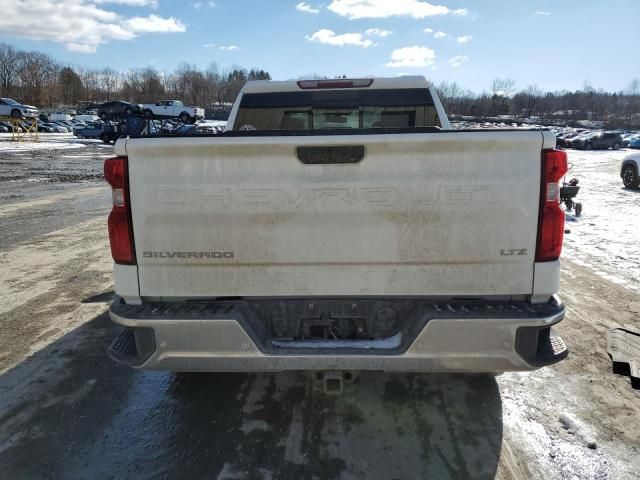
x: 556, y: 44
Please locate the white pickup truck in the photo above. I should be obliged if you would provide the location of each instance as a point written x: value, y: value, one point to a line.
x: 173, y: 109
x: 338, y: 225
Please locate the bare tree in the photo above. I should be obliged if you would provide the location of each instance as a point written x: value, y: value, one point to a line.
x: 34, y: 68
x: 109, y: 81
x: 9, y: 59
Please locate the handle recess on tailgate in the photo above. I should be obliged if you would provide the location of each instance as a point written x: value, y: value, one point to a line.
x: 327, y: 155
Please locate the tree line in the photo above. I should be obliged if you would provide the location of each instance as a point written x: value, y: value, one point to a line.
x: 35, y: 78
x: 612, y: 109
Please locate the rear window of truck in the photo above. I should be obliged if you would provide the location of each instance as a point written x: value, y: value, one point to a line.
x: 335, y: 109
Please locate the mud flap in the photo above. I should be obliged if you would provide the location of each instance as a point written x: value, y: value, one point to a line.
x: 623, y: 346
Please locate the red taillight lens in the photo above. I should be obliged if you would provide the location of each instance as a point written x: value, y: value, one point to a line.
x: 115, y: 170
x: 551, y: 216
x: 120, y: 224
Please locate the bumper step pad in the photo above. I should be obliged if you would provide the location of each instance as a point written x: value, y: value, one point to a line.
x: 539, y: 347
x: 123, y: 348
x: 133, y: 346
x: 549, y: 350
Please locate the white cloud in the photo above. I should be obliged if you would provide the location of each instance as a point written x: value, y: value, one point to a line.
x: 414, y: 56
x: 542, y: 12
x: 132, y: 3
x: 225, y: 48
x: 330, y: 37
x: 305, y: 7
x: 458, y: 60
x: 460, y: 12
x: 199, y: 5
x: 378, y: 32
x: 439, y: 34
x: 154, y: 24
x: 81, y: 25
x: 353, y: 9
x: 428, y: 30
x: 464, y: 39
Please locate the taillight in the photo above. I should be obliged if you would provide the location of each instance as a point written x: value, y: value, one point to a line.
x: 337, y: 83
x: 551, y: 216
x: 120, y: 224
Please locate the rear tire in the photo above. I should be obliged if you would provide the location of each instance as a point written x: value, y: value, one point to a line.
x: 105, y: 138
x: 588, y: 146
x: 80, y: 135
x: 630, y: 177
x: 148, y: 114
x: 616, y: 146
x: 184, y: 117
x: 15, y: 113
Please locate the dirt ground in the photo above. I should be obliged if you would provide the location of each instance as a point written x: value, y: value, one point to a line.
x: 68, y: 411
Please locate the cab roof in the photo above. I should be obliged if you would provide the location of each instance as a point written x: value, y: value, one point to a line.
x: 376, y: 83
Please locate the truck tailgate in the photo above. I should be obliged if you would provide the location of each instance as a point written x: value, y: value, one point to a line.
x: 450, y: 213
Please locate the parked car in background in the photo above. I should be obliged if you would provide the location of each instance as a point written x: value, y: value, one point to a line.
x: 28, y: 126
x: 11, y: 108
x: 210, y: 126
x: 173, y: 109
x: 117, y: 107
x: 64, y: 123
x: 86, y: 117
x: 184, y: 130
x: 597, y: 140
x: 93, y: 130
x: 626, y: 136
x: 56, y: 128
x: 577, y: 139
x: 3, y: 129
x: 564, y: 140
x: 630, y: 171
x: 633, y: 142
x: 60, y: 116
x: 10, y: 127
x: 43, y: 127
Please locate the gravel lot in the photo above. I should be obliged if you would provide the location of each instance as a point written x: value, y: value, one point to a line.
x: 67, y: 411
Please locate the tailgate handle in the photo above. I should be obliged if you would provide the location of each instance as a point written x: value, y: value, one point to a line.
x: 328, y: 155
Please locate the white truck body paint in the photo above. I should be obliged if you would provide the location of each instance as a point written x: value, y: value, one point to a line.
x: 125, y: 280
x: 426, y: 215
x: 422, y: 214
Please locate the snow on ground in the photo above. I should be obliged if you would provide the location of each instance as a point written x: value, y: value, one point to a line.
x: 47, y: 141
x: 607, y: 236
